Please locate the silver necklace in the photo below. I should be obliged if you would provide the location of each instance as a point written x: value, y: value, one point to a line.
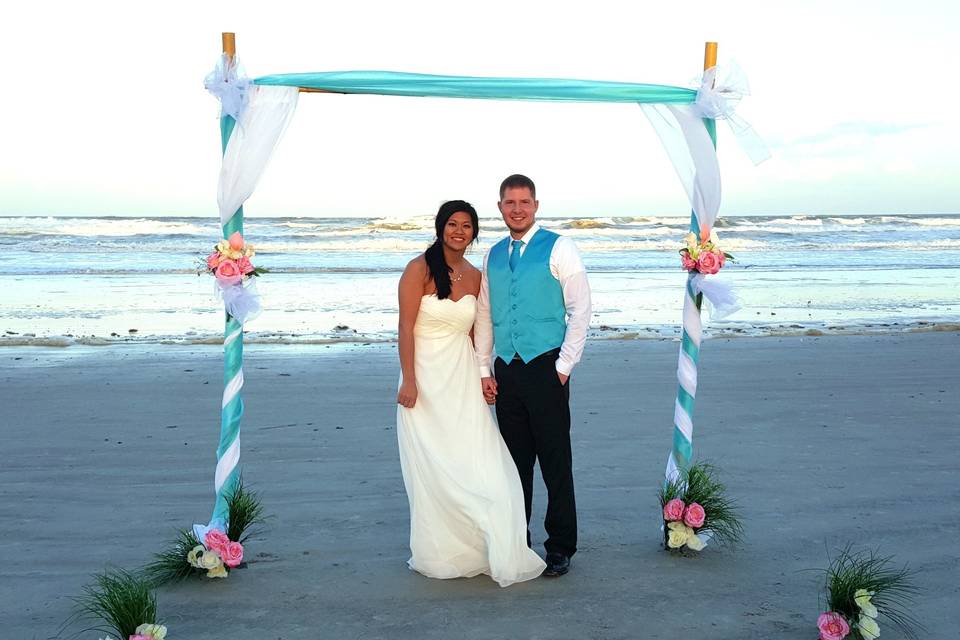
x: 454, y: 276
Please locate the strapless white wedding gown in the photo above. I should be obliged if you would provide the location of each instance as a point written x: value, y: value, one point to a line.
x: 466, y: 503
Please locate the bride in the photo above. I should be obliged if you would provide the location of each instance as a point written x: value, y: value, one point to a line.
x: 466, y: 505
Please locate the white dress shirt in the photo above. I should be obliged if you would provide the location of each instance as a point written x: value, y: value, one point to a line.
x: 567, y: 267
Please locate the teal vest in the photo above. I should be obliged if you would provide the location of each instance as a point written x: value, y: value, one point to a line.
x: 526, y: 305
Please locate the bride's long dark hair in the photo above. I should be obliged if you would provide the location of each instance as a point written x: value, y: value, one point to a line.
x: 436, y: 262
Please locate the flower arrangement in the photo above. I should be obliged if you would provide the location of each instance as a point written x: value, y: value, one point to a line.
x: 233, y: 272
x: 218, y: 552
x: 124, y: 602
x: 702, y: 254
x: 147, y: 632
x: 230, y: 261
x: 695, y: 508
x: 860, y: 588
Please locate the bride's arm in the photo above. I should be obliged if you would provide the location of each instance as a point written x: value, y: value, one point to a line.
x: 410, y: 291
x: 475, y: 277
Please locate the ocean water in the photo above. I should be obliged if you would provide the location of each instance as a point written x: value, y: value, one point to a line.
x: 127, y: 279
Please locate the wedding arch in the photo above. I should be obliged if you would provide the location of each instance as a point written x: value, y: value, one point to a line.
x: 255, y: 113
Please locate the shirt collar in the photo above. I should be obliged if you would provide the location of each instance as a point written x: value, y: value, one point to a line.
x: 525, y: 238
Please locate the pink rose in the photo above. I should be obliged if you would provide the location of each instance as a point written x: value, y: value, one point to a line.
x: 694, y: 515
x: 228, y: 272
x: 213, y: 260
x: 673, y: 510
x: 232, y: 554
x: 832, y: 626
x: 722, y: 256
x: 236, y: 241
x: 216, y: 541
x: 708, y: 262
x: 244, y: 265
x: 688, y: 263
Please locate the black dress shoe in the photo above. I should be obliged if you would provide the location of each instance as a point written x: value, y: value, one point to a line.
x: 557, y: 564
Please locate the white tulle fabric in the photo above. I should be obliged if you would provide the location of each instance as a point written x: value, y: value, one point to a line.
x: 721, y: 296
x: 721, y: 89
x: 466, y: 503
x: 688, y: 144
x: 241, y: 300
x: 258, y: 131
x: 230, y: 85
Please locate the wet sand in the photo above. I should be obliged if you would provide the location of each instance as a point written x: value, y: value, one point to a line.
x: 824, y: 440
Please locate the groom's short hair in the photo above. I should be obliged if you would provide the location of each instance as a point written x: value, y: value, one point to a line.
x: 518, y: 181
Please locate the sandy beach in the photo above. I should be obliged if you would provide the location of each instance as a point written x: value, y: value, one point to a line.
x: 824, y: 440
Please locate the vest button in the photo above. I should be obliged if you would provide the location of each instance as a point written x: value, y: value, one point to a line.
x: 514, y: 321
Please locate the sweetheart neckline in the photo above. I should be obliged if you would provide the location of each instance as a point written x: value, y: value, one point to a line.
x: 433, y: 295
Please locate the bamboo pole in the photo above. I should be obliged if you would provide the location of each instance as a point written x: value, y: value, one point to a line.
x: 710, y: 60
x: 229, y: 44
x: 231, y: 412
x: 681, y: 454
x: 709, y: 55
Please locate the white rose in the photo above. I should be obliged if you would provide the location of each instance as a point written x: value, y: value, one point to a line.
x: 155, y: 631
x: 869, y: 628
x: 210, y: 560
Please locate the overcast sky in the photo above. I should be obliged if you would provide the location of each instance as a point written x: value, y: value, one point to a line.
x: 104, y: 112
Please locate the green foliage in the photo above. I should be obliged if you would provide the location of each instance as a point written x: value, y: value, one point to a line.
x: 122, y: 601
x: 893, y: 591
x: 698, y: 483
x: 246, y: 512
x: 171, y: 564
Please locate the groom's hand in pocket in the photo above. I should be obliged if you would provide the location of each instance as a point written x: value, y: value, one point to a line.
x: 563, y: 378
x: 489, y: 387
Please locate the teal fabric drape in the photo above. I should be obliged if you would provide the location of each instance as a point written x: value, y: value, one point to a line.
x: 392, y: 83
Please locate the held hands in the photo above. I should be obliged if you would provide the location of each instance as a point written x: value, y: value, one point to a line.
x: 489, y: 387
x: 407, y: 395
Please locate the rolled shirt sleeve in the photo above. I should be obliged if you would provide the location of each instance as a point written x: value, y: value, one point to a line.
x: 566, y: 266
x: 483, y: 325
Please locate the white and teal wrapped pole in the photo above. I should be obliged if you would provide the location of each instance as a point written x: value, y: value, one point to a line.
x: 231, y: 408
x: 682, y: 451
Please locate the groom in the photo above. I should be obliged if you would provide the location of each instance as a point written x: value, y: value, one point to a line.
x: 533, y: 312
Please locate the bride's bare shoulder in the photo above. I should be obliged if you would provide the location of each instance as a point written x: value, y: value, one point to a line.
x: 416, y: 267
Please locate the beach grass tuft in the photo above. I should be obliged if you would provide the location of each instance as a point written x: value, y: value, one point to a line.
x: 246, y: 513
x: 171, y: 564
x: 892, y: 589
x: 120, y: 600
x: 699, y: 483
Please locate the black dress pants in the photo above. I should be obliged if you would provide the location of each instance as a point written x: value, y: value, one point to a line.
x: 533, y: 410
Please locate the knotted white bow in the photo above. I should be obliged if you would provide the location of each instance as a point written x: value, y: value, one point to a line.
x: 719, y: 294
x: 229, y: 84
x: 721, y: 89
x: 241, y: 300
